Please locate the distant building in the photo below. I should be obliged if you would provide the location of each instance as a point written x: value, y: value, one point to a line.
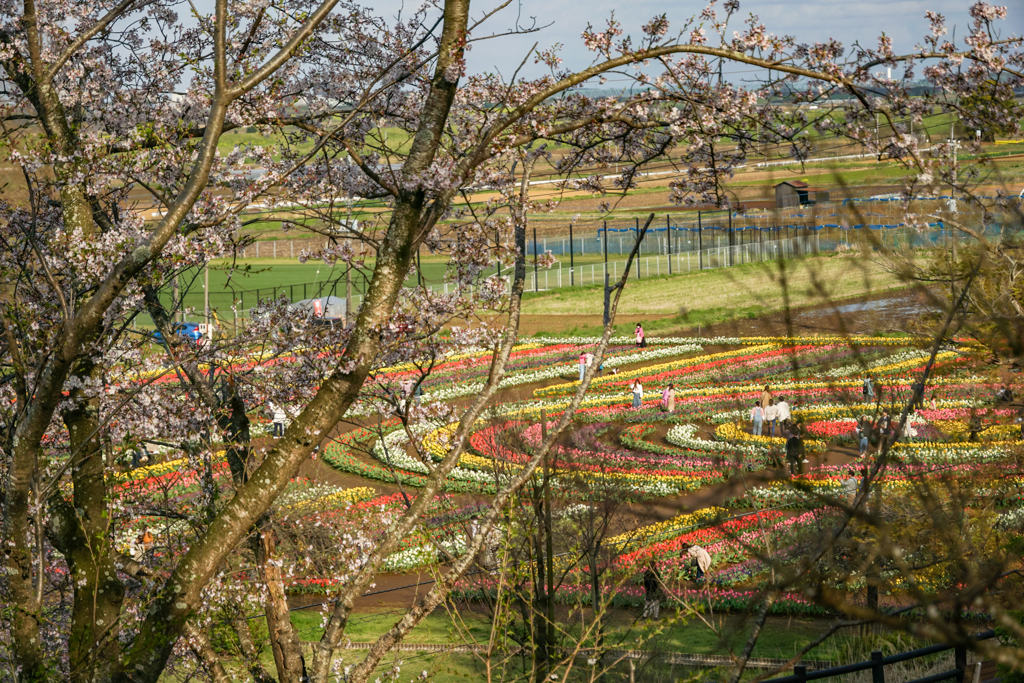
x: 798, y: 193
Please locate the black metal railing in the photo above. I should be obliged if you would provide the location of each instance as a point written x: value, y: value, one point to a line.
x: 877, y: 664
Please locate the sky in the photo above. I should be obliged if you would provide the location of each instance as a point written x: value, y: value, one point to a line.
x: 808, y: 20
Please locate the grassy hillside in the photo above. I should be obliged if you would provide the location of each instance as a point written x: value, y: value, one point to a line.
x: 809, y: 280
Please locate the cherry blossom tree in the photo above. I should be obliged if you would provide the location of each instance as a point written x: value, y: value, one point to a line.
x: 114, y: 114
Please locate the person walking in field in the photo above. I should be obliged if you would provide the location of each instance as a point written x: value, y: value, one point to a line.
x: 638, y: 394
x: 771, y: 414
x: 653, y: 592
x: 864, y: 434
x: 641, y: 339
x: 671, y: 405
x: 756, y: 419
x: 868, y: 389
x: 278, y: 417
x: 784, y: 415
x: 795, y: 452
x: 583, y: 364
x: 766, y: 396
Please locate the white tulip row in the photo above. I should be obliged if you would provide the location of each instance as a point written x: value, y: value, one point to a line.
x: 516, y: 379
x: 866, y: 408
x: 899, y: 357
x: 685, y: 436
x: 391, y: 450
x: 426, y: 554
x: 651, y: 341
x: 949, y: 453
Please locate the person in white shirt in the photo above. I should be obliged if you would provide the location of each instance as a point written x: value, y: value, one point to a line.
x: 638, y: 395
x: 279, y: 418
x: 771, y: 414
x: 784, y: 415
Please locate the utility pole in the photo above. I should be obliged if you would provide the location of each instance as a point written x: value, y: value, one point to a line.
x: 572, y: 262
x: 700, y: 244
x: 639, y: 247
x: 732, y: 239
x: 609, y: 289
x: 668, y: 229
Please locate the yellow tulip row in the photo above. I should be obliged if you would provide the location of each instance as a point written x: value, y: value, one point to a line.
x: 157, y: 470
x: 731, y: 432
x: 912, y: 363
x: 810, y: 384
x: 346, y: 496
x: 437, y: 444
x: 402, y: 367
x: 961, y: 430
x: 678, y: 522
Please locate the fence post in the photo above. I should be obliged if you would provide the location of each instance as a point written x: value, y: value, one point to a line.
x: 800, y: 671
x: 960, y: 662
x: 877, y: 668
x: 572, y: 262
x: 536, y: 284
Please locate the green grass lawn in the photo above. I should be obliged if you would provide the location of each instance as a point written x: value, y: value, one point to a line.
x: 756, y: 288
x: 705, y: 298
x: 712, y: 635
x: 268, y: 277
x: 671, y: 634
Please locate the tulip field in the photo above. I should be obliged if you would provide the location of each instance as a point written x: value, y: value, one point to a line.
x: 762, y: 519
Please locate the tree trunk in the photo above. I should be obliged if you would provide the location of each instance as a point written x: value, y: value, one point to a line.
x: 93, y: 644
x: 291, y: 666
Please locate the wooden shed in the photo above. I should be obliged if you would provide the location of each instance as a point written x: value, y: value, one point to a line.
x: 798, y: 193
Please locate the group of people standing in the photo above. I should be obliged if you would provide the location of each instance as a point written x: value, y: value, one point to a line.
x: 771, y: 411
x: 777, y: 413
x: 880, y: 431
x: 668, y: 396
